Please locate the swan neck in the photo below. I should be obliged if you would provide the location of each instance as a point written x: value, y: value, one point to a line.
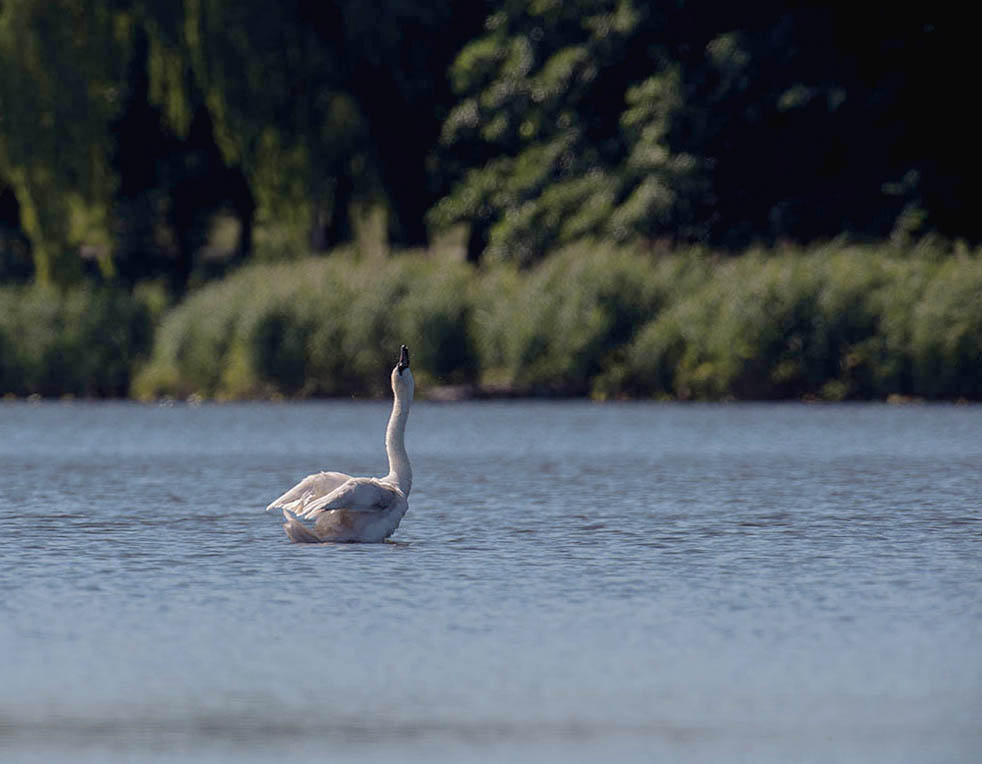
x: 400, y: 472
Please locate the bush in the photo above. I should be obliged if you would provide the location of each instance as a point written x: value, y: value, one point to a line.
x: 828, y: 323
x: 83, y: 342
x: 561, y: 326
x: 946, y: 332
x: 833, y: 322
x: 321, y: 327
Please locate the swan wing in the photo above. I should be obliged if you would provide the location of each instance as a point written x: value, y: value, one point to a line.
x: 308, y: 490
x: 357, y: 494
x: 297, y: 532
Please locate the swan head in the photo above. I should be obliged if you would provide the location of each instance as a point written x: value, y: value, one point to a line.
x: 403, y: 384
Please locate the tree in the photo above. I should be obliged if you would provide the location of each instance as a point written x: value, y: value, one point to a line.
x: 325, y: 104
x: 60, y: 65
x: 706, y: 121
x: 535, y: 133
x: 106, y: 142
x: 173, y: 182
x: 16, y: 265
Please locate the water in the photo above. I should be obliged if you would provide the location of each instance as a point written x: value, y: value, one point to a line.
x: 573, y: 582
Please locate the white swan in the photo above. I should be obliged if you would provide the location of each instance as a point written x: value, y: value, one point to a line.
x: 357, y: 508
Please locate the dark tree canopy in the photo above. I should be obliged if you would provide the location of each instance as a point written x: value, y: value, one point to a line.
x: 725, y: 123
x: 143, y: 139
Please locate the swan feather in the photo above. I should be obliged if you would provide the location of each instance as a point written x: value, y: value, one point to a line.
x: 308, y: 490
x: 357, y: 494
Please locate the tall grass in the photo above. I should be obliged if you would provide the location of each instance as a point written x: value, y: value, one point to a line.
x: 841, y: 324
x: 833, y: 322
x: 321, y: 327
x: 83, y: 342
x: 561, y: 326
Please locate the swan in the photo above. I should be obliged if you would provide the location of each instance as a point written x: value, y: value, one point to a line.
x: 357, y: 509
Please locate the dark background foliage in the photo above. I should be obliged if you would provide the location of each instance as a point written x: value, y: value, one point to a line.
x: 158, y: 140
x: 168, y: 168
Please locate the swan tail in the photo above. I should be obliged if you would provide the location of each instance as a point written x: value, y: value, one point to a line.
x: 297, y: 532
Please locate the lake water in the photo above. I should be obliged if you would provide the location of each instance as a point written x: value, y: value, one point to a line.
x: 573, y: 582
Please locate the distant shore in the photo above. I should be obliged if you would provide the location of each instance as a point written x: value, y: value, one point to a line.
x: 833, y: 322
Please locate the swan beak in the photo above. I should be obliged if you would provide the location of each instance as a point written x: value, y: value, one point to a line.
x: 403, y: 359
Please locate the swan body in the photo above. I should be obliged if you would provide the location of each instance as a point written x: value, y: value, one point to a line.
x: 357, y: 509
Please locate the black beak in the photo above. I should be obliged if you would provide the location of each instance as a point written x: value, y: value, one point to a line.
x: 403, y: 359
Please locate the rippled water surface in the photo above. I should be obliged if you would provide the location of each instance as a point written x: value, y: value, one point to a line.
x: 573, y: 582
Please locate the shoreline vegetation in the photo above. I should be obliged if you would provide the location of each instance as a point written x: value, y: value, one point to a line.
x: 831, y: 322
x: 606, y: 200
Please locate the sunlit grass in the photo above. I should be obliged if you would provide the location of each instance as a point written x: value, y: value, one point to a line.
x: 318, y: 327
x: 834, y: 322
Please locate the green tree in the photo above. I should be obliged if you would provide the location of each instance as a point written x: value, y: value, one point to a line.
x: 174, y: 187
x: 16, y: 265
x: 700, y: 120
x: 326, y: 104
x: 60, y: 65
x: 107, y: 144
x: 536, y: 132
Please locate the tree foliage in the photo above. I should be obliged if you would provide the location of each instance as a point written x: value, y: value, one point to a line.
x: 59, y: 75
x: 160, y: 120
x: 170, y: 141
x: 706, y: 121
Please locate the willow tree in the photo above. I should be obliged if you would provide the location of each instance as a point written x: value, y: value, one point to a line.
x: 327, y: 104
x: 16, y: 265
x: 269, y: 82
x: 60, y: 66
x: 182, y: 213
x: 106, y: 142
